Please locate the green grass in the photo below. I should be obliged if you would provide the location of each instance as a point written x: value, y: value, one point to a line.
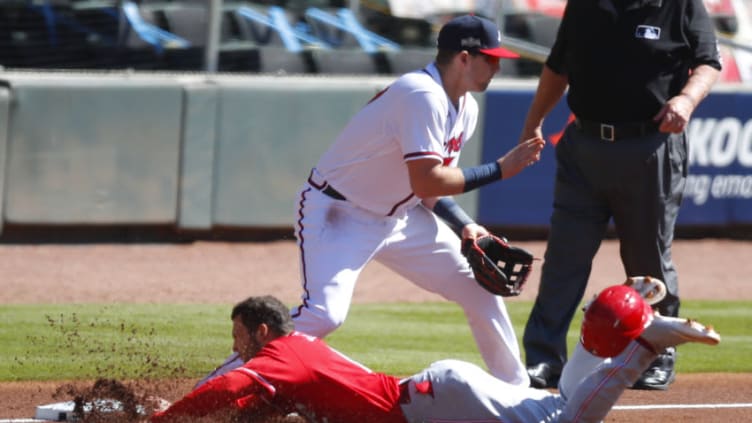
x: 53, y: 342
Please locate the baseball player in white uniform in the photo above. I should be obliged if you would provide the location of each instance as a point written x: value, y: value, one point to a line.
x: 383, y: 192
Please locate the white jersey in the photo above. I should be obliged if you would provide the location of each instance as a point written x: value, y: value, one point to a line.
x: 410, y: 119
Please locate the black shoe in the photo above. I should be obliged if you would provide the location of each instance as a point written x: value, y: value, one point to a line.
x: 660, y: 374
x: 544, y: 375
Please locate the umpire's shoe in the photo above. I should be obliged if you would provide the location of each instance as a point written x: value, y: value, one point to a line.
x: 660, y: 374
x: 664, y: 334
x: 544, y: 375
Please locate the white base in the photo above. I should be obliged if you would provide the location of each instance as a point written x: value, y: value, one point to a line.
x: 63, y: 411
x: 56, y: 412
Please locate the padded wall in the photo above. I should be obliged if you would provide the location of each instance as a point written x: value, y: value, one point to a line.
x: 4, y: 123
x: 93, y: 150
x: 192, y: 151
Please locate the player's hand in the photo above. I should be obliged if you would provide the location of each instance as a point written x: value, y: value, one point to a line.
x: 522, y: 155
x: 674, y: 115
x: 474, y: 231
x: 155, y: 403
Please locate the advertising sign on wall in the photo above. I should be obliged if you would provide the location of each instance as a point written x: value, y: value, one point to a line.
x: 719, y: 186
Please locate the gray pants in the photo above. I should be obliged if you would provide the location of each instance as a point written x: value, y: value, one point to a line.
x: 463, y: 392
x: 636, y: 182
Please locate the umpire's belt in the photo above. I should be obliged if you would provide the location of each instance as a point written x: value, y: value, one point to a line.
x: 324, y: 187
x: 617, y: 131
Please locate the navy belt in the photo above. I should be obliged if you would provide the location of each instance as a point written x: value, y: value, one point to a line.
x: 617, y: 131
x: 326, y: 189
x: 404, y: 392
x: 425, y: 387
x: 333, y: 193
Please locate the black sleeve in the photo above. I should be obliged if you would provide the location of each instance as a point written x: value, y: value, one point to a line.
x: 701, y: 34
x: 556, y: 60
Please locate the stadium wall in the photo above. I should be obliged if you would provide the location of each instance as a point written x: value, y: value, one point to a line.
x: 197, y: 152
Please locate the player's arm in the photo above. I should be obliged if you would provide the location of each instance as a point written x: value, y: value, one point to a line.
x: 454, y: 216
x: 218, y: 396
x: 430, y: 178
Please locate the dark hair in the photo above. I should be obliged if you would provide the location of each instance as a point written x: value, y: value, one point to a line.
x: 254, y: 311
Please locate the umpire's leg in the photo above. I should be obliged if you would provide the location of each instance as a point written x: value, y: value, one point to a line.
x: 578, y: 224
x: 647, y: 212
x: 572, y: 244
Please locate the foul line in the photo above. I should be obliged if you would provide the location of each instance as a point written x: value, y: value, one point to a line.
x: 618, y: 407
x: 682, y: 406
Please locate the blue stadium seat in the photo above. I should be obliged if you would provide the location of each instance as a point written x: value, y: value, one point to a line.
x: 143, y: 29
x: 342, y: 29
x: 274, y: 28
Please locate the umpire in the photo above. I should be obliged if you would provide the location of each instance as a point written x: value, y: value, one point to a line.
x: 636, y: 70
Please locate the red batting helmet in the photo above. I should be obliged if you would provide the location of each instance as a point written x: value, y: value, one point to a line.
x: 615, y: 317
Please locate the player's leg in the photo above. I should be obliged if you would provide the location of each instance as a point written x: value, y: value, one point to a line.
x: 596, y: 394
x: 452, y: 390
x: 336, y: 241
x: 427, y: 252
x: 620, y: 328
x: 581, y: 363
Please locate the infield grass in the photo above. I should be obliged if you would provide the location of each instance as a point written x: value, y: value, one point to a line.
x: 64, y: 342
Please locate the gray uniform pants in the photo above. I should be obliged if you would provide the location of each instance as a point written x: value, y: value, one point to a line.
x: 637, y: 182
x: 463, y: 392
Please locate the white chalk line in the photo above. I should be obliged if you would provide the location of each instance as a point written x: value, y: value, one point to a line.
x: 681, y: 406
x: 618, y: 407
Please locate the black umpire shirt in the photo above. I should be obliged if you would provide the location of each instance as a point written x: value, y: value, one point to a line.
x: 625, y: 58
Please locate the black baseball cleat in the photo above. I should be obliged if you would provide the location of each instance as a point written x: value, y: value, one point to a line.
x: 660, y: 374
x: 544, y: 375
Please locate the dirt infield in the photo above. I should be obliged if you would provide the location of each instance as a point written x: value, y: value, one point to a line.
x: 221, y: 272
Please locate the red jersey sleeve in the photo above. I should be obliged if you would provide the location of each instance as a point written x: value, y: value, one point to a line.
x: 221, y: 394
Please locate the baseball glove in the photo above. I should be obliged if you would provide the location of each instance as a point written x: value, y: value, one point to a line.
x: 498, y: 267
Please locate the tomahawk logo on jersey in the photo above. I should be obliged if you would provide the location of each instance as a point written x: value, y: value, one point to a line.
x: 452, y: 148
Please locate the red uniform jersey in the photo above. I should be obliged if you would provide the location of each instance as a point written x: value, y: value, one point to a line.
x: 302, y: 374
